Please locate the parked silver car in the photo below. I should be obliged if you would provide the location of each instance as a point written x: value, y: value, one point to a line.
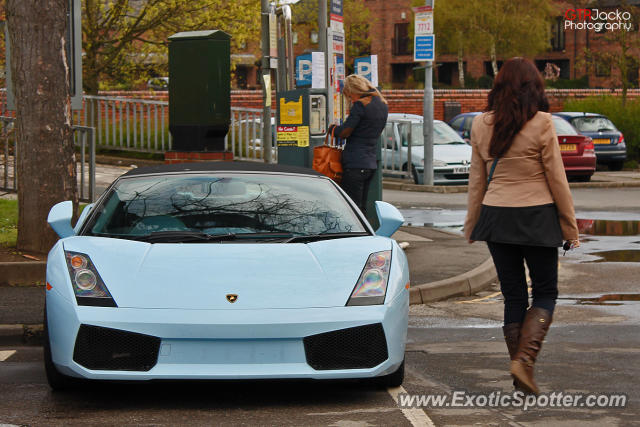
x: 403, y: 140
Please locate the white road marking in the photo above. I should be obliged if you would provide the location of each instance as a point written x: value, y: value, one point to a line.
x: 417, y: 417
x: 5, y: 354
x: 408, y: 237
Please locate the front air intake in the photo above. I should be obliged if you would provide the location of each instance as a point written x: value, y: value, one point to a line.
x: 361, y: 347
x: 109, y: 349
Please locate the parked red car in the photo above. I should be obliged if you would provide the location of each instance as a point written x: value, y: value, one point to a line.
x: 578, y: 151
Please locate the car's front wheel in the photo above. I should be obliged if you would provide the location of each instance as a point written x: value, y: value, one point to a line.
x: 56, y: 380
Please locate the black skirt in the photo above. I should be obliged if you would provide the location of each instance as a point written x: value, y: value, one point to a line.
x: 530, y: 225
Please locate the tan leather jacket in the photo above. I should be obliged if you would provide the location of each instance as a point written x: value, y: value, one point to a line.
x: 530, y: 173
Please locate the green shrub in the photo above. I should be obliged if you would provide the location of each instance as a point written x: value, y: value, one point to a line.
x: 626, y: 118
x: 581, y: 83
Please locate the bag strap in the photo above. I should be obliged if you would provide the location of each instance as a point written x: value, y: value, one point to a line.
x: 493, y: 168
x: 333, y: 138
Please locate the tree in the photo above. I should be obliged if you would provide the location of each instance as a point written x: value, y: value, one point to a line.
x: 39, y: 69
x: 451, y: 23
x: 125, y: 40
x: 357, y: 21
x: 624, y: 49
x: 511, y: 28
x: 494, y: 27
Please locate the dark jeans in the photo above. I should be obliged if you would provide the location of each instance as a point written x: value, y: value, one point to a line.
x: 543, y: 270
x: 355, y: 182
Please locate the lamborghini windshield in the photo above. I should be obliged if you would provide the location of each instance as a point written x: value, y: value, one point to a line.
x: 199, y: 207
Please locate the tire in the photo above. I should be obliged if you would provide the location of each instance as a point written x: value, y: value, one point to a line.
x: 394, y: 379
x: 616, y: 166
x: 56, y: 380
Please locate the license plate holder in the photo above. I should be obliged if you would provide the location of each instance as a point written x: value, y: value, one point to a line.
x: 461, y: 169
x: 602, y: 141
x: 568, y: 147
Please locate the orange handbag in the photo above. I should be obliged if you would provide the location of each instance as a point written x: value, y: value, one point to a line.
x: 327, y: 159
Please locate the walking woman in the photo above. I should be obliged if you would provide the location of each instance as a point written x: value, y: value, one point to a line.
x: 362, y: 129
x: 520, y: 204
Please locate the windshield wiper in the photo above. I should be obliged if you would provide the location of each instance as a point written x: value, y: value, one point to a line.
x: 177, y: 236
x: 198, y: 236
x: 325, y: 236
x: 605, y: 130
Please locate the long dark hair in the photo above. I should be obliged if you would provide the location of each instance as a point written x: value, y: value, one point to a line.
x: 517, y: 95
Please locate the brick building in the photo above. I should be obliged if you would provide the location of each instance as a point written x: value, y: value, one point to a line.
x: 391, y: 42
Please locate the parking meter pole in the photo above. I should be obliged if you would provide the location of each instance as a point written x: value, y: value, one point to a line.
x: 427, y: 124
x: 266, y: 83
x: 322, y: 30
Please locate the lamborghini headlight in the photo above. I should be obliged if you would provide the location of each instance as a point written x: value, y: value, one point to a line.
x: 371, y: 287
x: 88, y: 287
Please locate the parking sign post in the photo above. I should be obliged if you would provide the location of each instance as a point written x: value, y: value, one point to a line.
x: 424, y: 50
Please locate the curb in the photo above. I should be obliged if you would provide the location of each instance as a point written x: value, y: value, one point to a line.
x: 464, y: 284
x: 20, y: 272
x: 19, y: 334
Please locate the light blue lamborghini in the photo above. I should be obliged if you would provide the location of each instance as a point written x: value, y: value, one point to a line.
x: 225, y: 270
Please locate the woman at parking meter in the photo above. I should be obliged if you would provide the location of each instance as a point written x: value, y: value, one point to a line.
x: 362, y: 129
x: 520, y: 204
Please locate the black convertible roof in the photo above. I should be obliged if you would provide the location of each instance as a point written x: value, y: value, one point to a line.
x: 221, y: 167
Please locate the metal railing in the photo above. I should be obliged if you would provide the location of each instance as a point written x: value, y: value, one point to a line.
x: 127, y: 124
x: 395, y: 157
x: 245, y: 135
x: 84, y: 139
x: 143, y: 125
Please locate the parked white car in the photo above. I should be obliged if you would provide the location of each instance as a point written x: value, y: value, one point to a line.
x: 451, y: 154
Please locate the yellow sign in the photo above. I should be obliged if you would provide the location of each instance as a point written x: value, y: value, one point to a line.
x: 291, y: 112
x: 293, y: 136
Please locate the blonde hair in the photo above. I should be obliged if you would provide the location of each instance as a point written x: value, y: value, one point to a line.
x: 359, y: 86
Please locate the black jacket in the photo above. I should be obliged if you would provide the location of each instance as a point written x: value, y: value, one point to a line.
x: 367, y: 123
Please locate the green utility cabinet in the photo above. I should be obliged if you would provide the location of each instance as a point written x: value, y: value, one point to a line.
x: 199, y: 90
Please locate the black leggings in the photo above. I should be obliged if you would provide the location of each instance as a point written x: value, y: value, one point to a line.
x: 355, y: 182
x: 543, y: 270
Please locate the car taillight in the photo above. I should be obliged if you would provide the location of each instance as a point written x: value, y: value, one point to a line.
x: 589, y: 146
x: 621, y: 139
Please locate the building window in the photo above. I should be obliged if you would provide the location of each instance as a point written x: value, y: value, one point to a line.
x: 557, y: 34
x: 401, y: 43
x: 294, y: 37
x: 313, y: 37
x: 603, y: 68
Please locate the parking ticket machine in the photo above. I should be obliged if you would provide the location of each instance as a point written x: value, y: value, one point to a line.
x: 301, y: 124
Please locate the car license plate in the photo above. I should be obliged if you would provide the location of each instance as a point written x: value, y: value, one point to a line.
x: 601, y: 141
x: 461, y: 169
x: 568, y: 147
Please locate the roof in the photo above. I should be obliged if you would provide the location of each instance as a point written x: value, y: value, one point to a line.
x: 406, y: 116
x: 221, y: 167
x: 572, y: 114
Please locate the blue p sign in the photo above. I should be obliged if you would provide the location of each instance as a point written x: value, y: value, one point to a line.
x: 303, y: 70
x: 363, y: 67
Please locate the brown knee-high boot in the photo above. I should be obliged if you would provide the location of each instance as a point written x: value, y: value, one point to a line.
x: 534, y: 328
x: 511, y: 332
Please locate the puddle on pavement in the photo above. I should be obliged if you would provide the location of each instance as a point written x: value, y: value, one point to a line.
x: 627, y: 255
x: 602, y: 227
x: 607, y: 299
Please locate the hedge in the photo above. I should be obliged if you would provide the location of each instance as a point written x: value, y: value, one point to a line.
x: 626, y: 119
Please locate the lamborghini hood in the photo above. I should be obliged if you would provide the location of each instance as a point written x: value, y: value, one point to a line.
x: 204, y: 276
